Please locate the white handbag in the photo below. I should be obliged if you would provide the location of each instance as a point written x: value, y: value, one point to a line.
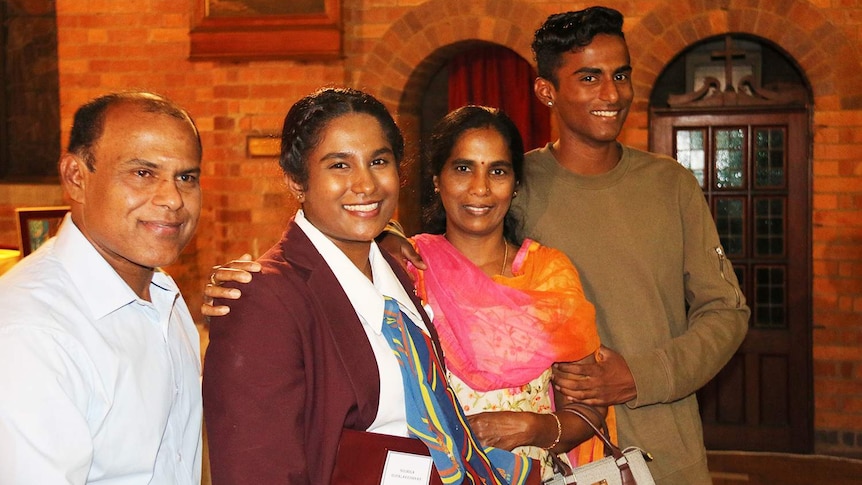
x: 618, y: 467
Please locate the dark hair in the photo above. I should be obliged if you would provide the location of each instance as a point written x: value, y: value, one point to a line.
x: 308, y: 117
x: 446, y: 134
x: 89, y: 121
x: 563, y: 32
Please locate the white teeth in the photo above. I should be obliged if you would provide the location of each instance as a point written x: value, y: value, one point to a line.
x: 607, y: 114
x: 362, y: 207
x: 476, y: 210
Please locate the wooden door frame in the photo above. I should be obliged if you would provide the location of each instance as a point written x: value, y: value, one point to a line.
x: 798, y: 120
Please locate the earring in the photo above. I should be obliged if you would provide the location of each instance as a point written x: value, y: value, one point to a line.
x: 436, y: 190
x: 300, y: 197
x: 550, y: 103
x: 514, y: 194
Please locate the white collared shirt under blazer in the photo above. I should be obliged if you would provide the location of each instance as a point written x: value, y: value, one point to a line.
x: 366, y: 296
x: 96, y: 384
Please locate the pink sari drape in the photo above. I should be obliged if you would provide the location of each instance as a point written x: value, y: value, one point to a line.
x: 503, y: 332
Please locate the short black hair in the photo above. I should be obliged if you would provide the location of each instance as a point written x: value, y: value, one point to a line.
x: 307, y: 118
x: 563, y: 32
x: 446, y: 134
x: 89, y: 120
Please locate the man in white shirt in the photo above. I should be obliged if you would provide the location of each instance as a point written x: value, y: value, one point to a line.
x: 99, y: 357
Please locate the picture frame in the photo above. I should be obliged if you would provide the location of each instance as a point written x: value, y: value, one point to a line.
x: 248, y: 30
x: 36, y: 225
x: 258, y: 146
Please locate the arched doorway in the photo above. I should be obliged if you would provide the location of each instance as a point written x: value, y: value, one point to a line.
x: 397, y: 70
x: 735, y: 110
x: 487, y: 74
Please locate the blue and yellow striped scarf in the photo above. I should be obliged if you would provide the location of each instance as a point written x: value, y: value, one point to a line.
x: 434, y: 415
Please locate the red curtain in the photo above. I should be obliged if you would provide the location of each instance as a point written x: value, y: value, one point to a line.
x: 496, y: 76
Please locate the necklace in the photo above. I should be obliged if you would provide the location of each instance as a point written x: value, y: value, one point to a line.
x: 505, y: 257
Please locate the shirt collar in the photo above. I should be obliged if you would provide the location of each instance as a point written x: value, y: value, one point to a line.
x: 102, y: 289
x: 365, y: 296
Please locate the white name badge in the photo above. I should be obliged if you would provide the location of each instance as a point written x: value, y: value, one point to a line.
x: 406, y: 469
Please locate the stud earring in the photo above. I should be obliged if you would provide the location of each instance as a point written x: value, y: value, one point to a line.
x: 514, y: 194
x: 436, y: 190
x: 550, y: 103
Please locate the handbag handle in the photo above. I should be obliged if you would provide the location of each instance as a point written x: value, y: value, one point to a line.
x: 602, y: 432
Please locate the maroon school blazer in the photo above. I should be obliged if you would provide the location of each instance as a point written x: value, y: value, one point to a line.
x: 287, y: 369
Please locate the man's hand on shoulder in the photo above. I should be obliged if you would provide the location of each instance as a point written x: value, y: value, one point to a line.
x: 239, y: 271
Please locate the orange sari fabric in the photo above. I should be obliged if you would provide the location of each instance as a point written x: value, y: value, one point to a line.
x: 502, y: 332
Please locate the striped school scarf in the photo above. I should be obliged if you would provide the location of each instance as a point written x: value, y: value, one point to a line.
x: 434, y: 415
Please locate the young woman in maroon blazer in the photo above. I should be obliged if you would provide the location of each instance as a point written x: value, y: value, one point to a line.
x: 330, y: 334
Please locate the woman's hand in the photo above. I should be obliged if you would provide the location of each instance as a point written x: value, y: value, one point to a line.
x: 400, y: 248
x: 507, y: 429
x: 239, y: 271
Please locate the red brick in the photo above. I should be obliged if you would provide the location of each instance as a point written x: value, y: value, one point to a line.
x: 836, y: 420
x: 840, y: 320
x: 227, y: 92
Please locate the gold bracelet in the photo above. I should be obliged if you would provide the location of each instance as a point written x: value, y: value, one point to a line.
x: 559, y: 432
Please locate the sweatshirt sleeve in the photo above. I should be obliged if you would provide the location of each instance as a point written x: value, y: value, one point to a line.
x: 717, y: 318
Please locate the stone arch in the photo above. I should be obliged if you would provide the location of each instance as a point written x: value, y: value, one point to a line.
x: 794, y: 25
x: 417, y: 42
x: 417, y: 45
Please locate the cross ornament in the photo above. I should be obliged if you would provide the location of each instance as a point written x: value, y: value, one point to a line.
x: 728, y: 54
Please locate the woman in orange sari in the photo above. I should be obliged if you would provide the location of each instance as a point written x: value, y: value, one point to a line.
x: 505, y: 308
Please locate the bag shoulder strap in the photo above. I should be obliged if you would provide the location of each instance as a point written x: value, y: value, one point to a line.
x: 602, y: 432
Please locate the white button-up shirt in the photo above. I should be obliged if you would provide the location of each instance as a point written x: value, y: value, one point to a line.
x: 96, y: 384
x: 367, y: 299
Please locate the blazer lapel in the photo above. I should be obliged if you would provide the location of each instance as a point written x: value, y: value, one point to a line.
x: 351, y: 343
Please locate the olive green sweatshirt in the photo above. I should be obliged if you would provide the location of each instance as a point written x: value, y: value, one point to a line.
x: 645, y: 244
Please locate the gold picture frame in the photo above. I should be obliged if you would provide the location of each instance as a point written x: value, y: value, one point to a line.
x: 263, y: 146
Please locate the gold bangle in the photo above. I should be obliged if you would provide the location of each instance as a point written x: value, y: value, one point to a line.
x: 559, y: 432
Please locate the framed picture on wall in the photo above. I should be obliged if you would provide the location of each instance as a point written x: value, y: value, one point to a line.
x: 246, y: 30
x: 37, y: 224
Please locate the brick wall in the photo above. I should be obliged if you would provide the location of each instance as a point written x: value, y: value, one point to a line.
x: 392, y: 47
x: 837, y: 284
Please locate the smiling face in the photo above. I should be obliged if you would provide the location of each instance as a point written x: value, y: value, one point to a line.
x: 352, y: 187
x: 476, y: 184
x: 140, y: 205
x: 594, y: 91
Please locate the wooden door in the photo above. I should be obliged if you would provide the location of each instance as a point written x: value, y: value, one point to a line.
x: 754, y: 170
